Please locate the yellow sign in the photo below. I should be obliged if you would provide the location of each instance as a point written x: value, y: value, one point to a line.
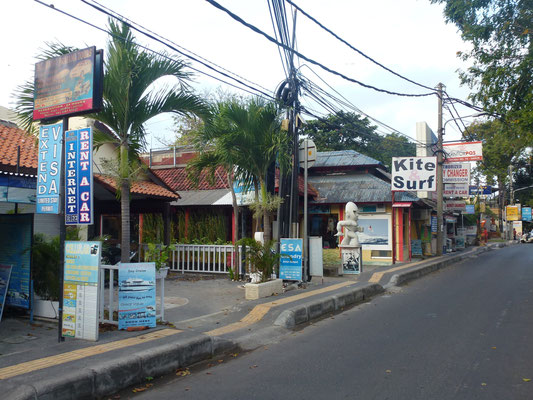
x: 512, y: 213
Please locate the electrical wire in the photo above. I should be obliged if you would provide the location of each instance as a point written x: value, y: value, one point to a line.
x: 334, y: 72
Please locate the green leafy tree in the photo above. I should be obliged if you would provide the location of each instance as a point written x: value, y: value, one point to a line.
x: 131, y: 99
x: 501, y: 33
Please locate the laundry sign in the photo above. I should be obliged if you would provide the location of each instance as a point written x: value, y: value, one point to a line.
x: 414, y: 173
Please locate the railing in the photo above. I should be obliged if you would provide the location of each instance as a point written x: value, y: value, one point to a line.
x: 108, y: 293
x: 203, y: 258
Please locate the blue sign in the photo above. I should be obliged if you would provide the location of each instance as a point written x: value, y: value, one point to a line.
x: 290, y: 266
x: 136, y: 295
x: 15, y: 245
x: 433, y: 224
x: 79, y: 177
x: 482, y: 189
x: 5, y: 273
x: 526, y: 213
x: 49, y: 168
x: 470, y: 209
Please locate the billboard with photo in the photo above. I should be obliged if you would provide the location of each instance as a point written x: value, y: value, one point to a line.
x: 68, y: 85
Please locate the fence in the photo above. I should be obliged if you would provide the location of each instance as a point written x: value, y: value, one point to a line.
x: 108, y: 293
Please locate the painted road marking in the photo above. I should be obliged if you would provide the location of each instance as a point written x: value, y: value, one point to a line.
x: 29, y: 366
x: 376, y: 276
x: 259, y: 311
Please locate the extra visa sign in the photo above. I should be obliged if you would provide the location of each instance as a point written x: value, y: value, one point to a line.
x: 414, y: 173
x: 49, y: 168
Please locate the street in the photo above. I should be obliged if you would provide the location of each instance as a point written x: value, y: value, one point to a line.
x: 461, y: 333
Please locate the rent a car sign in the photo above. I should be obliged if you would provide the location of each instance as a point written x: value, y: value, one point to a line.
x: 414, y: 173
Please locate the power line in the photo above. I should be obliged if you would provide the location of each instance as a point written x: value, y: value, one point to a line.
x: 334, y: 72
x: 355, y: 49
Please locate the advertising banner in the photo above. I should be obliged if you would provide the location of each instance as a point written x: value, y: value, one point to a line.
x: 470, y: 209
x: 456, y: 173
x: 136, y: 295
x: 512, y: 213
x: 79, y: 177
x: 457, y: 152
x: 414, y: 173
x: 434, y: 224
x: 80, y: 290
x: 455, y: 205
x: 290, y: 265
x: 517, y: 227
x: 526, y: 213
x: 5, y: 274
x: 65, y: 85
x: 15, y: 244
x: 49, y: 169
x: 455, y: 190
x: 481, y: 190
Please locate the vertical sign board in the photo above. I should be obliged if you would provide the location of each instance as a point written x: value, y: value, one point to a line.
x: 79, y: 177
x: 49, y: 168
x: 456, y: 173
x: 290, y: 265
x: 433, y: 224
x: 16, y: 232
x: 526, y: 213
x: 5, y: 274
x: 136, y: 295
x: 80, y: 290
x: 414, y: 173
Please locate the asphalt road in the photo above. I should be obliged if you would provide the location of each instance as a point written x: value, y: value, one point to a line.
x: 462, y: 333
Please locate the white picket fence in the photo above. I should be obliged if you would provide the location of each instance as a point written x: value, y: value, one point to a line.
x: 108, y: 293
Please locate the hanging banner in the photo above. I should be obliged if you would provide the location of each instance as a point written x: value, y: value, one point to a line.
x: 290, y: 265
x: 49, y: 168
x: 455, y: 190
x: 80, y: 290
x: 457, y: 152
x: 79, y: 177
x: 455, y: 205
x: 5, y: 274
x: 414, y: 173
x: 526, y: 213
x: 456, y: 173
x: 136, y: 295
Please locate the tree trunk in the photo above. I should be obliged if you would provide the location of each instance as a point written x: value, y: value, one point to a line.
x: 235, y: 222
x: 124, y: 204
x: 258, y: 217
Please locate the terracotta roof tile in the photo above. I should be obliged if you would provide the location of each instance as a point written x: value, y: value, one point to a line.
x: 139, y: 187
x: 176, y: 179
x: 10, y: 138
x: 311, y: 191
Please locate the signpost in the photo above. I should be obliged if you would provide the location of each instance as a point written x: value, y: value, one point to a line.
x: 307, y: 157
x: 80, y: 290
x: 136, y: 295
x: 290, y: 266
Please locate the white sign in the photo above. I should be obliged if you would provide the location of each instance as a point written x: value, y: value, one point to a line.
x: 470, y: 151
x: 454, y: 205
x: 414, y: 173
x: 456, y: 190
x: 309, y: 146
x: 456, y: 173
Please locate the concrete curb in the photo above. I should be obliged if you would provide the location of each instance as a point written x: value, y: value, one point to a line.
x: 111, y: 376
x: 317, y: 308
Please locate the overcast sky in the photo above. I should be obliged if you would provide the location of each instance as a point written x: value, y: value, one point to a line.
x: 408, y: 36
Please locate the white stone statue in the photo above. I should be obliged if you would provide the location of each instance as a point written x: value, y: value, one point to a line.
x: 350, y: 226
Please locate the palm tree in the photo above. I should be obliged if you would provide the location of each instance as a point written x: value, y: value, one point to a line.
x: 130, y: 99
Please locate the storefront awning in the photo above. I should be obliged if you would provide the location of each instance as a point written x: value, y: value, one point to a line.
x: 402, y: 204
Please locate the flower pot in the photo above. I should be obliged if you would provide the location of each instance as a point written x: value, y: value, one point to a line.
x: 45, y: 308
x: 161, y: 273
x: 255, y: 291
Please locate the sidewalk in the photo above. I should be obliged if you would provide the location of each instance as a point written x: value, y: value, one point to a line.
x: 206, y: 317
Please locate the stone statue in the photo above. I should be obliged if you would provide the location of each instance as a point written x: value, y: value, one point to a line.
x: 350, y: 225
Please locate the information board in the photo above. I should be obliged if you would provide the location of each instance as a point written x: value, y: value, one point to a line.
x: 416, y: 247
x: 290, y: 266
x: 526, y: 213
x: 80, y: 290
x: 5, y: 274
x: 136, y: 295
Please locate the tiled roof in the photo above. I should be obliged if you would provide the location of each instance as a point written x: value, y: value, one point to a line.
x: 139, y: 187
x: 10, y: 138
x: 176, y: 179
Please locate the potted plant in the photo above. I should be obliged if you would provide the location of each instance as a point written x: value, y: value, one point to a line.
x: 263, y: 261
x: 158, y: 254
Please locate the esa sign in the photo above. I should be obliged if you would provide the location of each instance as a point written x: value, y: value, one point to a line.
x: 290, y: 266
x: 414, y: 173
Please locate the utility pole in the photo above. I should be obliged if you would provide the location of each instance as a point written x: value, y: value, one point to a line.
x: 440, y: 158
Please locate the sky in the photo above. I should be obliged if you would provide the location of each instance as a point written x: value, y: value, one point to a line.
x: 407, y: 36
